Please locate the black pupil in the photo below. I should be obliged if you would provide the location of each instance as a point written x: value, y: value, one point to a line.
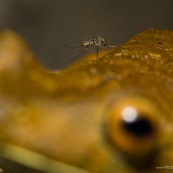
x: 139, y: 128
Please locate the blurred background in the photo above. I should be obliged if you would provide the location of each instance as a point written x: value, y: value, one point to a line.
x: 48, y: 25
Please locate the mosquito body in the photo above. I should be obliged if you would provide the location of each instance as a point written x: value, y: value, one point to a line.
x: 98, y: 42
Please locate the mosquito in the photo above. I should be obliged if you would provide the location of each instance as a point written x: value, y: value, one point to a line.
x: 98, y: 42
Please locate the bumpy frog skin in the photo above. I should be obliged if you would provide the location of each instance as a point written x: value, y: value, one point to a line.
x: 107, y: 115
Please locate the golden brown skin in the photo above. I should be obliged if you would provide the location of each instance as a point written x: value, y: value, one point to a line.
x: 76, y: 116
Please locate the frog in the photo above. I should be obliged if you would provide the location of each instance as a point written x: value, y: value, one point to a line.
x: 102, y: 114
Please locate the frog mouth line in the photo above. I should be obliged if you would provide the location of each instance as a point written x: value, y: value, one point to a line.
x: 16, y: 159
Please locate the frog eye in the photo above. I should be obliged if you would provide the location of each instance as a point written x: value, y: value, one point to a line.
x: 132, y: 125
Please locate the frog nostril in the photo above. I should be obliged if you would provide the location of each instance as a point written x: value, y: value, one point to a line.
x: 139, y: 128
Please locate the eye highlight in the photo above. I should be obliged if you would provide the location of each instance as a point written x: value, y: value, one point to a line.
x: 132, y: 125
x: 136, y: 124
x: 129, y: 114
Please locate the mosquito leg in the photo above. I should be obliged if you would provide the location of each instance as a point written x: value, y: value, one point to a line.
x: 73, y: 47
x: 80, y: 53
x: 97, y: 52
x: 110, y: 45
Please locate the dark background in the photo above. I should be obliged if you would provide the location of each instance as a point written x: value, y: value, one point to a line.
x: 48, y: 24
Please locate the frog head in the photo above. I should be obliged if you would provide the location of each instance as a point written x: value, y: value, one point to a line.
x: 106, y: 115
